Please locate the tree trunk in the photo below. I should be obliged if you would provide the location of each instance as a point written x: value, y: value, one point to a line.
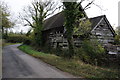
x: 2, y: 32
x: 7, y: 32
x: 70, y: 46
x: 38, y: 35
x: 69, y: 24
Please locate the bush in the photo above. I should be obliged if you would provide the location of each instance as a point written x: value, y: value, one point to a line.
x: 117, y: 39
x: 81, y: 54
x: 27, y: 42
x: 17, y: 38
x: 91, y: 52
x: 4, y: 36
x: 57, y: 51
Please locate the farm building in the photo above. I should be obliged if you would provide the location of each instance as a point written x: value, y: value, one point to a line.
x: 54, y: 31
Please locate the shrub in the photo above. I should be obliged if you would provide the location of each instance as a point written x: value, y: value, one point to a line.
x: 4, y: 36
x: 65, y: 53
x: 16, y: 38
x: 57, y: 51
x: 47, y: 49
x: 81, y: 54
x: 117, y: 39
x: 27, y: 41
x: 91, y: 52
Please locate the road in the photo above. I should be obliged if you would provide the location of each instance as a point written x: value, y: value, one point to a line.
x: 17, y: 64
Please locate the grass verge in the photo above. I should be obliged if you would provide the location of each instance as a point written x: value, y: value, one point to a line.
x: 4, y: 43
x: 75, y: 67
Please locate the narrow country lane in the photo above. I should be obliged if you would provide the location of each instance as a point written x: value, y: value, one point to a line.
x: 17, y: 64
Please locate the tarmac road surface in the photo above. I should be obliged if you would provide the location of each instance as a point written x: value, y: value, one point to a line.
x: 17, y: 64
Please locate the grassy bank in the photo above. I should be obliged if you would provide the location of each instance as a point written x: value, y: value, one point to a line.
x: 75, y: 67
x: 4, y: 43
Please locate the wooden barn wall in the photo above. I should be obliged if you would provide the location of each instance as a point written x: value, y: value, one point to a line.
x: 55, y: 37
x: 103, y: 33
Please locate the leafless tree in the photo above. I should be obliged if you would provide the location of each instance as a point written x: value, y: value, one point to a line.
x: 36, y: 13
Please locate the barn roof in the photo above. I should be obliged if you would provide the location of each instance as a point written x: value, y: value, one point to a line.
x: 55, y: 21
x: 58, y: 21
x: 95, y: 20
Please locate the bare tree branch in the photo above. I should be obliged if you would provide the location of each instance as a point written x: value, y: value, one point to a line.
x: 30, y: 23
x: 38, y: 12
x: 98, y: 6
x: 81, y: 1
x: 55, y: 10
x: 87, y: 8
x: 88, y: 4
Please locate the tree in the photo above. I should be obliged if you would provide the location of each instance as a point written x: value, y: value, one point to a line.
x: 83, y: 28
x: 118, y: 30
x: 38, y: 12
x: 72, y: 12
x: 5, y: 14
x: 117, y: 37
x: 70, y: 18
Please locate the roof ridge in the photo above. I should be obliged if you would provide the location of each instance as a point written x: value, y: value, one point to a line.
x: 98, y: 16
x: 53, y: 15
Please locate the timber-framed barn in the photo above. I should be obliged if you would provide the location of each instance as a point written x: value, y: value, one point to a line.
x: 54, y: 31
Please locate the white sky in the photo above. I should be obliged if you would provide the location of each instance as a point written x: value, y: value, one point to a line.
x: 110, y: 9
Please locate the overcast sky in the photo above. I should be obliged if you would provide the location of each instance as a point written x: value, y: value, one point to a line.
x: 109, y: 8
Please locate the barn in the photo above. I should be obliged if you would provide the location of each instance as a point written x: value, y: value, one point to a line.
x: 54, y: 31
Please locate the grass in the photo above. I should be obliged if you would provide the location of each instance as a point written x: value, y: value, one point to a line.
x: 4, y: 43
x: 75, y: 67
